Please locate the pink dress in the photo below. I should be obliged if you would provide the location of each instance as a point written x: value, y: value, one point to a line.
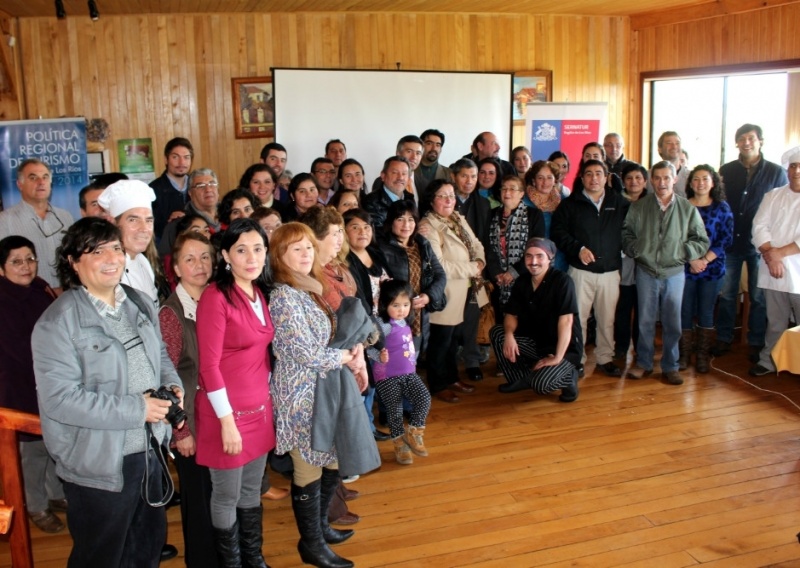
x: 232, y: 344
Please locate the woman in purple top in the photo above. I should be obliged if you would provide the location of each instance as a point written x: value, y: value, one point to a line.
x: 704, y: 275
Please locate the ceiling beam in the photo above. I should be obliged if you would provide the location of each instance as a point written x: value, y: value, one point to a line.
x: 701, y: 12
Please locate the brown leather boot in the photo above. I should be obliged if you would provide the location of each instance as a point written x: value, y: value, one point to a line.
x: 685, y: 347
x: 402, y: 452
x: 705, y: 336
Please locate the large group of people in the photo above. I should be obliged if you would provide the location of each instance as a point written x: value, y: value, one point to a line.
x: 261, y: 330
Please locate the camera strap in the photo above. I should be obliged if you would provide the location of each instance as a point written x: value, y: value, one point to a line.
x: 166, y: 478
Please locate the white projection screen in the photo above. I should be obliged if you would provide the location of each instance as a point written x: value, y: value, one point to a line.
x: 371, y: 110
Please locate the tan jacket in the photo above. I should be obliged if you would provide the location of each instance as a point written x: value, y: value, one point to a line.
x: 454, y: 257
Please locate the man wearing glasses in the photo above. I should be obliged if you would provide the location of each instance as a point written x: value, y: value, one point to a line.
x: 35, y: 218
x: 324, y: 173
x: 203, y: 201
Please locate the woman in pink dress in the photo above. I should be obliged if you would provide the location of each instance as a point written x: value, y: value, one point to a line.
x: 233, y: 407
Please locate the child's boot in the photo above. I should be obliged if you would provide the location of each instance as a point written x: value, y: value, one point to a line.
x: 402, y: 452
x: 414, y: 440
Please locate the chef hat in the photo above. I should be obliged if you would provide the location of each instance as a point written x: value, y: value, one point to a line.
x: 790, y: 157
x: 126, y: 194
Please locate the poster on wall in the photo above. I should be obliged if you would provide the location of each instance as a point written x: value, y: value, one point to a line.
x: 60, y: 143
x: 564, y: 126
x: 136, y: 158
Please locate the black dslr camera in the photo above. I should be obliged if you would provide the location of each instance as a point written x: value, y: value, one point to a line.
x: 176, y: 414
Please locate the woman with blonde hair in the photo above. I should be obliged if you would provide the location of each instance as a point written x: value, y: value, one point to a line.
x: 305, y: 326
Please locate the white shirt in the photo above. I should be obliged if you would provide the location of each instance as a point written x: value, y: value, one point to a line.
x: 139, y: 276
x: 777, y: 221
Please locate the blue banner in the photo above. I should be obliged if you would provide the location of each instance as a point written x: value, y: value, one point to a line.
x: 60, y: 143
x: 545, y: 138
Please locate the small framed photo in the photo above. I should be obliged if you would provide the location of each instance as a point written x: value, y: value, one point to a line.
x: 253, y: 107
x: 529, y: 87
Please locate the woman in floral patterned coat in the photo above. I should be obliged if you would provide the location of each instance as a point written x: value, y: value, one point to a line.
x: 304, y: 323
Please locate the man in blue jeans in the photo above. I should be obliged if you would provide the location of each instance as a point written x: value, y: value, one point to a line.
x: 747, y: 179
x: 662, y: 232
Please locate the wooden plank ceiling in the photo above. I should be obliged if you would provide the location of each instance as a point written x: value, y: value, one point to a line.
x: 76, y: 8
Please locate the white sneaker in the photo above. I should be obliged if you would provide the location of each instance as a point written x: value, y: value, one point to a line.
x: 350, y: 479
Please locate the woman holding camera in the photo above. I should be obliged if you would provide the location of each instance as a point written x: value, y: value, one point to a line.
x: 233, y: 408
x: 96, y: 351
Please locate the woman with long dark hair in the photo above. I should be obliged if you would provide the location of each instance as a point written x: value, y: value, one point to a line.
x: 233, y: 405
x: 704, y: 275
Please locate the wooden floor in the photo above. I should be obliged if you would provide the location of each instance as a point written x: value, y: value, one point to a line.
x: 633, y: 474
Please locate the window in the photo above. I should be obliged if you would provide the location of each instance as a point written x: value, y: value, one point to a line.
x: 706, y: 111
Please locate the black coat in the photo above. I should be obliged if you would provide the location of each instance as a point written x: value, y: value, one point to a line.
x: 536, y: 228
x: 432, y: 280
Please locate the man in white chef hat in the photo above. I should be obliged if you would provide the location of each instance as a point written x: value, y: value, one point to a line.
x: 129, y: 202
x: 776, y: 234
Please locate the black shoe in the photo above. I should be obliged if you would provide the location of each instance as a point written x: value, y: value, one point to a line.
x: 329, y: 486
x: 721, y: 348
x: 168, y: 551
x: 175, y: 501
x: 580, y: 371
x: 570, y: 392
x: 760, y: 371
x: 381, y: 436
x: 474, y: 374
x: 611, y: 369
x: 513, y: 387
x: 754, y: 353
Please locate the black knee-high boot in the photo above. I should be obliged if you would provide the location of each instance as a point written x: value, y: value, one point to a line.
x: 251, y: 537
x: 312, y: 546
x: 330, y: 481
x: 228, y: 551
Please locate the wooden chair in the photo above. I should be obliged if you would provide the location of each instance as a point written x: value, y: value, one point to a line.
x: 11, y: 422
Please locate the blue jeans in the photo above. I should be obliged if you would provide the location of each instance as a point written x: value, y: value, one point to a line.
x: 369, y: 399
x: 699, y: 298
x: 656, y: 295
x: 728, y: 299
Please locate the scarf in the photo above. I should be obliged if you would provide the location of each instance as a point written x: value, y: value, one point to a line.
x: 313, y: 287
x: 508, y: 236
x: 456, y: 223
x: 546, y: 202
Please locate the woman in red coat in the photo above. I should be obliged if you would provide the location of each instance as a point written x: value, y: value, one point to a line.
x: 233, y: 408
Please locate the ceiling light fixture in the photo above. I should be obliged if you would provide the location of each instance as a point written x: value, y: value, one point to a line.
x: 93, y: 13
x: 61, y: 13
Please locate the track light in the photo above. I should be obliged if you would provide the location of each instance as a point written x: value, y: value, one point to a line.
x: 93, y: 13
x: 61, y: 13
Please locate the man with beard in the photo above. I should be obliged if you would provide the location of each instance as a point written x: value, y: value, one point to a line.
x: 429, y: 167
x: 171, y: 187
x: 486, y: 145
x: 539, y: 344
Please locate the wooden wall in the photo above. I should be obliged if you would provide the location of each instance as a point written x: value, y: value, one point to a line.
x: 163, y: 76
x: 756, y: 36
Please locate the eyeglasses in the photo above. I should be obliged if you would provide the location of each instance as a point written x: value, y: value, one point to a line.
x: 325, y: 172
x: 211, y: 184
x: 60, y: 228
x: 448, y: 197
x: 20, y: 262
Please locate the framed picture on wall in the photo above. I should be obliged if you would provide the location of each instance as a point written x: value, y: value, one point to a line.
x: 530, y: 86
x: 253, y: 107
